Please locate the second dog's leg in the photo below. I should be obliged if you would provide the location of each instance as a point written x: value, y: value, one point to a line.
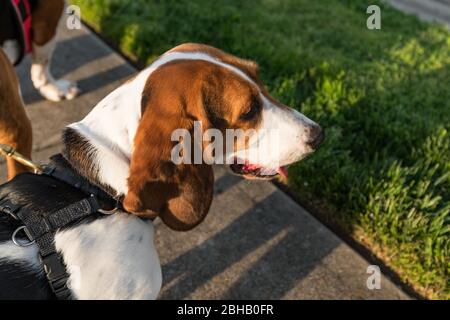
x: 20, y: 139
x: 45, y: 22
x: 15, y: 128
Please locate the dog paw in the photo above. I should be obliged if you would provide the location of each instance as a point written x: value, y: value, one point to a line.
x: 59, y: 90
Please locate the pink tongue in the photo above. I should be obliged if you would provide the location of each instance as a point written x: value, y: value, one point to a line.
x: 250, y: 167
x: 283, y: 171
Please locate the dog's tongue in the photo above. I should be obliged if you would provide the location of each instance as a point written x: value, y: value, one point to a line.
x: 283, y: 171
x: 250, y: 167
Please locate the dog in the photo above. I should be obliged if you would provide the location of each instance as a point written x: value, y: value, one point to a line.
x: 38, y: 36
x: 124, y: 147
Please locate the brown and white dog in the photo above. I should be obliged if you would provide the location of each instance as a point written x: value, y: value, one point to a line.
x: 15, y: 127
x: 124, y: 146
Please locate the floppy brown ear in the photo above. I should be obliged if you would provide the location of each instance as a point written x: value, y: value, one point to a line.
x: 179, y: 194
x: 181, y: 200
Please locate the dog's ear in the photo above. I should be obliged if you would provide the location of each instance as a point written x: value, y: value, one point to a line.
x: 180, y: 194
x: 181, y: 199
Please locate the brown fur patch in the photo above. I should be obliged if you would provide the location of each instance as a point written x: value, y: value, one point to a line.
x: 15, y: 128
x: 249, y: 67
x: 45, y: 20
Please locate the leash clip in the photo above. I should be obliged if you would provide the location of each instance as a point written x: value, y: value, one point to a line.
x: 9, y: 208
x: 8, y: 151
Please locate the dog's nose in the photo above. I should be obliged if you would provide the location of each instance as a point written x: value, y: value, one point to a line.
x: 316, y: 135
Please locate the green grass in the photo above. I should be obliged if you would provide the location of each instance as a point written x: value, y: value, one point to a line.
x: 383, y: 97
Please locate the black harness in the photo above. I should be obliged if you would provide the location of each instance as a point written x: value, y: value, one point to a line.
x: 41, y: 229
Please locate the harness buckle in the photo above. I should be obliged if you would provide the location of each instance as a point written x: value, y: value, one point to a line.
x: 9, y: 211
x: 53, y: 267
x: 57, y: 276
x: 48, y: 169
x: 10, y: 208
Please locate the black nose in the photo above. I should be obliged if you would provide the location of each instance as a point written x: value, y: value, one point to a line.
x: 316, y: 136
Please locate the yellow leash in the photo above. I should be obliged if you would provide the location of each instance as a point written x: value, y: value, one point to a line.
x: 8, y: 151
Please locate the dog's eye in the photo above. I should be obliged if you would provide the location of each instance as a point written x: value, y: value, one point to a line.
x: 252, y: 112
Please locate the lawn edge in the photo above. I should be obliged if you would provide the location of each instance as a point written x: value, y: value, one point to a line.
x: 367, y: 249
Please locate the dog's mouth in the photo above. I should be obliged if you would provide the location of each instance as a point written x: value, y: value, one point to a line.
x: 253, y: 171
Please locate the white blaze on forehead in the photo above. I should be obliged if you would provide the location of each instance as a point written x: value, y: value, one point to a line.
x: 173, y: 56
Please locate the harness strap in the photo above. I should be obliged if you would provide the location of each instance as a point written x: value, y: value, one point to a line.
x: 82, y: 184
x: 42, y: 230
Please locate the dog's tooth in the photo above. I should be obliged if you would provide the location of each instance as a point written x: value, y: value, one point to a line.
x: 267, y: 171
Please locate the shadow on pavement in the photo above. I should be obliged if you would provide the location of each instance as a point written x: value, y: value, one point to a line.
x: 285, y: 245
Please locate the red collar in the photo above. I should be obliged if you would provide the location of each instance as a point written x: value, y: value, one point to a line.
x: 23, y: 15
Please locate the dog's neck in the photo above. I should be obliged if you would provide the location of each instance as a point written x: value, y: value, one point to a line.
x: 99, y: 147
x: 82, y: 155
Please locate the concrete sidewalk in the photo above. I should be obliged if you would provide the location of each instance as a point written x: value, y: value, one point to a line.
x: 428, y: 10
x: 256, y: 243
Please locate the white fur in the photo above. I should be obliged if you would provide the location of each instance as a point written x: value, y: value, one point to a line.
x: 12, y: 50
x: 111, y: 258
x: 280, y: 140
x: 51, y: 89
x: 29, y: 255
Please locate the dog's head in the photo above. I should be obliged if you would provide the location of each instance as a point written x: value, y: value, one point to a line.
x: 200, y: 85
